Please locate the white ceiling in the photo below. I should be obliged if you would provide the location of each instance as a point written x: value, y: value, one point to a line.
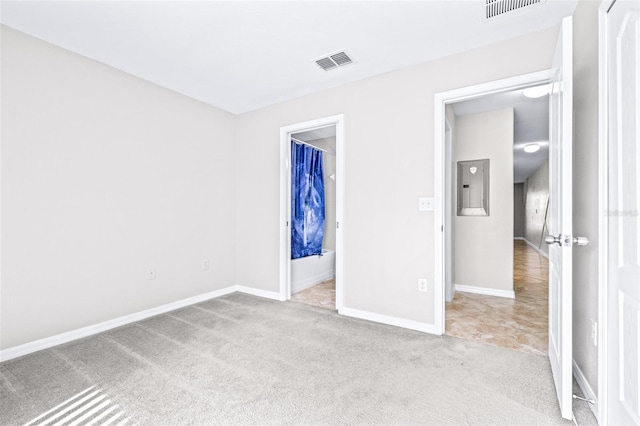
x: 242, y: 55
x: 531, y: 124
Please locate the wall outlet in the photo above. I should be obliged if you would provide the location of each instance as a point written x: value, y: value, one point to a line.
x: 425, y: 204
x: 205, y: 265
x: 594, y: 332
x: 151, y: 273
x: 422, y: 284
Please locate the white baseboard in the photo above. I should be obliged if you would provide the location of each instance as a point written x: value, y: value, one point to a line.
x: 533, y: 246
x: 49, y: 342
x: 586, y: 389
x: 260, y: 293
x: 510, y: 294
x: 389, y: 320
x: 58, y: 339
x: 310, y: 282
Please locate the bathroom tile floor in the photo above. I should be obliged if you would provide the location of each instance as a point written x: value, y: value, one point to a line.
x: 520, y: 324
x: 322, y: 295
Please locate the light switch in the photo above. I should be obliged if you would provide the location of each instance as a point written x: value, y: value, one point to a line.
x: 425, y: 204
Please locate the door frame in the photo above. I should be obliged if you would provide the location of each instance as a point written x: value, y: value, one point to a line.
x: 603, y: 206
x: 449, y: 232
x: 441, y: 167
x: 285, y: 202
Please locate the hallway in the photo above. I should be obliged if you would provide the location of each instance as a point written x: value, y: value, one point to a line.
x: 520, y: 324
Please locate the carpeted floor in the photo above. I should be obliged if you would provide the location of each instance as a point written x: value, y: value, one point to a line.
x: 240, y: 359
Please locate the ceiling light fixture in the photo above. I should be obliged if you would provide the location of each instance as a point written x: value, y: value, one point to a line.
x: 536, y: 92
x: 531, y: 148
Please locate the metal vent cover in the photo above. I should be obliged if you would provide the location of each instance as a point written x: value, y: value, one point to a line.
x: 335, y: 60
x: 495, y: 8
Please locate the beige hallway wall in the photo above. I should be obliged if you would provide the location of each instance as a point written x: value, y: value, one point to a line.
x: 536, y: 198
x: 484, y: 244
x: 518, y: 210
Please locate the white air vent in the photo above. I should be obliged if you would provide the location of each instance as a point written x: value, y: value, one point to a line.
x: 336, y: 60
x: 498, y: 7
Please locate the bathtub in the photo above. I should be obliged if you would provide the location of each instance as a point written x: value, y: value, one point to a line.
x: 311, y: 270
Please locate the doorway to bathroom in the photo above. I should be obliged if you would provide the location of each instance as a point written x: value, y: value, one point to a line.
x: 311, y: 207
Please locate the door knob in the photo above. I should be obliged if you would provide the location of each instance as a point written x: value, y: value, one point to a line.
x: 579, y: 241
x: 550, y: 239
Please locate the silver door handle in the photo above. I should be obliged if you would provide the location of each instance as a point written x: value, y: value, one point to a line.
x: 580, y: 241
x: 550, y: 239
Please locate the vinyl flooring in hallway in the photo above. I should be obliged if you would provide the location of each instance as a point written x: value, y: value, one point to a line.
x: 322, y: 295
x: 520, y: 324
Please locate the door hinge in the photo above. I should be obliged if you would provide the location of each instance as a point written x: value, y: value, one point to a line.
x: 588, y: 401
x: 337, y: 225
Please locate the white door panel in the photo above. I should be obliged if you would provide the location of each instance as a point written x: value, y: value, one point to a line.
x: 623, y: 223
x: 560, y: 219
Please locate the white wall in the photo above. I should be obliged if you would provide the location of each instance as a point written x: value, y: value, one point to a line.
x: 585, y: 186
x: 389, y: 157
x: 484, y: 244
x: 103, y: 176
x: 536, y: 198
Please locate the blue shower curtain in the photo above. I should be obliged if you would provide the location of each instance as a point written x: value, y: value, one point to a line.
x: 307, y: 200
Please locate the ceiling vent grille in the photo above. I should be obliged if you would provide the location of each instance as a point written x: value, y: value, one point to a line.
x: 495, y: 8
x: 336, y: 60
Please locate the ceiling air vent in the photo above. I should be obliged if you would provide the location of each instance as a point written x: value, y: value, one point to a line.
x: 495, y: 8
x: 336, y: 60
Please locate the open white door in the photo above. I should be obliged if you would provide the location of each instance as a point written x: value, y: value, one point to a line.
x: 560, y: 239
x: 622, y: 214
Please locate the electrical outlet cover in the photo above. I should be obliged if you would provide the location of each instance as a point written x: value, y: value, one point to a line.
x: 422, y: 284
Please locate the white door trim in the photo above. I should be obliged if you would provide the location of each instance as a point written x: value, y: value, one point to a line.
x: 449, y: 232
x: 439, y: 168
x: 285, y: 202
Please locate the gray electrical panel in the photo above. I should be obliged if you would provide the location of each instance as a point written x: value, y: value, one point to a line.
x: 473, y: 188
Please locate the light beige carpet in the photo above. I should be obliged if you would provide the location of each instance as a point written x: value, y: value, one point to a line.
x: 240, y: 359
